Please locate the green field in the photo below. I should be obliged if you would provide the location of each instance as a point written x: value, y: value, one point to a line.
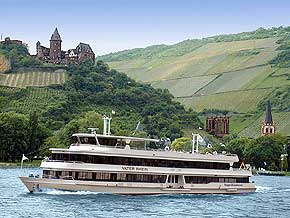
x: 31, y: 99
x: 211, y: 58
x: 26, y: 79
x: 184, y: 86
x: 239, y: 101
x: 212, y: 68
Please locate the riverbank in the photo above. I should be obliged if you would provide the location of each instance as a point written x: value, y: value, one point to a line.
x: 34, y: 163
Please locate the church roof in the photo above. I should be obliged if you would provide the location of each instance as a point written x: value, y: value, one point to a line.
x: 55, y: 35
x: 269, y: 118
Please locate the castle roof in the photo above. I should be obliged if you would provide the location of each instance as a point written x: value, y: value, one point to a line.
x: 269, y: 118
x: 55, y: 35
x: 83, y: 47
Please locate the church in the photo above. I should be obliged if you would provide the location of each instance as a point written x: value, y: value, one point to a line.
x: 268, y: 126
x: 55, y: 55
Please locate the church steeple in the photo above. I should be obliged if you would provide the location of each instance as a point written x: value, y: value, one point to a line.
x: 268, y: 119
x: 268, y: 126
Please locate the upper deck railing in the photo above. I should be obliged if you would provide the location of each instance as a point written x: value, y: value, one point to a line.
x: 150, y: 149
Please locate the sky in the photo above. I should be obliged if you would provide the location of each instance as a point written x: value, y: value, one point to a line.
x: 114, y: 25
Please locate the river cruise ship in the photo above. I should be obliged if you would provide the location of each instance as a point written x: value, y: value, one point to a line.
x: 109, y: 164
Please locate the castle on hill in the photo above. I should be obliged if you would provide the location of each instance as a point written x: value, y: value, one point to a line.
x: 55, y: 55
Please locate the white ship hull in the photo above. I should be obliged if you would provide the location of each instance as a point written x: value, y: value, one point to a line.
x: 126, y: 188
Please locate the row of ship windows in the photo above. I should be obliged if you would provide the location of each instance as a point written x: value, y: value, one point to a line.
x: 205, y: 180
x: 129, y: 161
x: 144, y: 178
x: 100, y: 176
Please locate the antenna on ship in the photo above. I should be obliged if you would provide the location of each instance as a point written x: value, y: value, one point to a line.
x: 195, y: 143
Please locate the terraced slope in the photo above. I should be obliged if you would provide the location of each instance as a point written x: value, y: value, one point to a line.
x: 243, y: 101
x: 32, y: 98
x: 230, y: 72
x: 37, y: 79
x: 220, y: 75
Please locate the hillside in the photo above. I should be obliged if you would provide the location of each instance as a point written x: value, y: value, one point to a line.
x: 94, y: 88
x: 231, y: 72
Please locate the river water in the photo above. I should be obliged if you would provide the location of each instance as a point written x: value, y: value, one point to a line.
x: 272, y: 199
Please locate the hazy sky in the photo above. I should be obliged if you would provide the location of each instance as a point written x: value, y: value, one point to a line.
x: 113, y: 25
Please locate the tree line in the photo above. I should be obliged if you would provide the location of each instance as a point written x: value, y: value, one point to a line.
x: 262, y: 152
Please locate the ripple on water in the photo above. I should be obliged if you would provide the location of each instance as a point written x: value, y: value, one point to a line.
x: 263, y: 189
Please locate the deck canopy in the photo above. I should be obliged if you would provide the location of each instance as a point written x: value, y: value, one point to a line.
x: 109, y: 140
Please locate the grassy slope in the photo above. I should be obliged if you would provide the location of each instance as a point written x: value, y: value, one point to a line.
x: 218, y: 70
x: 231, y: 76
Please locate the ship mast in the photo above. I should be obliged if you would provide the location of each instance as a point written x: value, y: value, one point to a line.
x: 107, y: 125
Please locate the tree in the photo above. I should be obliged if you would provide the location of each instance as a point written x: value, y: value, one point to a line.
x: 182, y: 144
x: 19, y: 135
x: 237, y: 146
x: 265, y: 149
x: 14, y: 130
x: 37, y: 132
x: 284, y: 162
x: 62, y: 137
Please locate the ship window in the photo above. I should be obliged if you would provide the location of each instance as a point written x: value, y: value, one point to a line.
x: 107, y: 141
x: 232, y: 180
x: 121, y: 177
x: 88, y: 140
x: 74, y: 140
x: 243, y: 180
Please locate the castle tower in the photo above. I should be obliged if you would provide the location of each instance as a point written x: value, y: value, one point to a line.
x: 218, y: 125
x: 55, y: 47
x: 268, y: 125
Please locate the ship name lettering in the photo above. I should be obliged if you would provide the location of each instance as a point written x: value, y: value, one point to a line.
x: 135, y: 168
